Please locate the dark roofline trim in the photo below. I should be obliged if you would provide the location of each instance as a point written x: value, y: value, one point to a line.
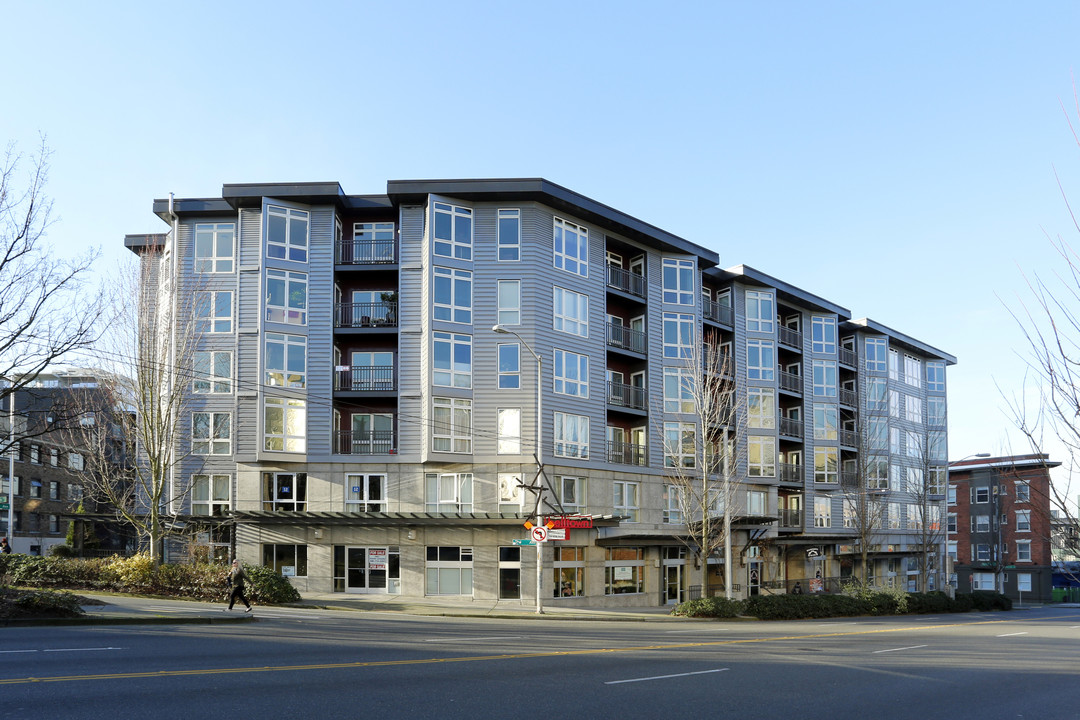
x: 788, y: 291
x: 905, y: 340
x: 267, y: 517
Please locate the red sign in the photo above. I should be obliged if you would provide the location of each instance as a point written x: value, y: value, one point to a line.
x: 571, y: 523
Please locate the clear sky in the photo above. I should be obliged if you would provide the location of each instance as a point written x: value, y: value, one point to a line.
x: 898, y: 159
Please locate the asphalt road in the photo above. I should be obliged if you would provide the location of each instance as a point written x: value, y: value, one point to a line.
x: 307, y: 663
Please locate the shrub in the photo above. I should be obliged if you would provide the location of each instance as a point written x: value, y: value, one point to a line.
x: 933, y: 602
x: 268, y: 586
x: 710, y: 607
x: 38, y: 603
x: 984, y: 600
x: 61, y: 551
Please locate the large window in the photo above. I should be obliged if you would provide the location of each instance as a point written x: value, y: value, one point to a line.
x: 214, y: 247
x: 760, y: 311
x: 449, y: 571
x: 761, y: 407
x: 452, y: 427
x: 673, y: 504
x: 211, y: 433
x: 877, y: 434
x: 678, y: 281
x: 213, y: 312
x: 508, y: 424
x: 451, y: 360
x: 213, y: 372
x: 453, y: 295
x: 678, y: 390
x: 286, y: 233
x: 876, y: 393
x: 373, y: 242
x: 935, y: 376
x: 913, y: 408
x: 680, y: 444
x: 623, y: 570
x: 894, y: 365
x: 365, y: 493
x: 210, y: 494
x: 761, y: 456
x: 571, y: 248
x: 572, y: 493
x: 912, y: 371
x: 511, y: 492
x: 1023, y: 521
x: 823, y: 512
x: 509, y: 240
x: 876, y: 348
x: 825, y: 422
x: 286, y: 360
x: 678, y: 335
x: 1023, y: 491
x: 509, y: 296
x: 760, y: 362
x: 281, y: 557
x: 571, y: 374
x: 509, y: 366
x: 453, y: 231
x: 625, y: 499
x: 284, y: 491
x: 826, y: 462
x: 935, y: 410
x: 823, y: 331
x: 825, y: 378
x: 571, y: 312
x: 571, y: 435
x: 448, y: 492
x: 286, y: 297
x: 285, y: 424
x: 569, y: 569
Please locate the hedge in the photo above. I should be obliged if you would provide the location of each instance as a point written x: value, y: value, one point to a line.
x: 854, y: 602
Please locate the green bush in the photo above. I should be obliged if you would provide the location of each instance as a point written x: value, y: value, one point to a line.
x: 61, y: 551
x: 932, y: 602
x: 986, y: 600
x: 268, y: 586
x: 38, y: 603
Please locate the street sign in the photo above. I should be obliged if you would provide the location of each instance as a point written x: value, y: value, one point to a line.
x: 523, y: 541
x: 539, y: 534
x: 557, y: 534
x: 4, y: 506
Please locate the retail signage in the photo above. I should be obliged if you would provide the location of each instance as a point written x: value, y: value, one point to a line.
x: 377, y: 559
x: 572, y: 523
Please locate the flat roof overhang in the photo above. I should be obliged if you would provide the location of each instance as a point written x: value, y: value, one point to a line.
x: 269, y: 517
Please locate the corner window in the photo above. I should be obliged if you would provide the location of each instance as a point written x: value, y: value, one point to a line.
x: 452, y: 425
x: 509, y: 240
x: 214, y: 247
x: 213, y: 312
x: 285, y: 424
x: 213, y: 372
x: 452, y: 290
x: 286, y: 297
x: 210, y: 495
x: 286, y: 233
x: 453, y: 227
x: 760, y: 311
x: 286, y: 360
x: 571, y: 248
x: 678, y: 281
x: 211, y: 433
x: 935, y: 376
x: 452, y: 360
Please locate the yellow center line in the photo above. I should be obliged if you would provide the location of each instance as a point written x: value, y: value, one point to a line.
x: 475, y: 658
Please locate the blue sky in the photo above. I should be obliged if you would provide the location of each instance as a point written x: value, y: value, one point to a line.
x: 898, y: 159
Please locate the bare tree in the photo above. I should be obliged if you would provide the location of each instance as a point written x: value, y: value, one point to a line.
x: 699, y: 457
x: 926, y: 485
x: 865, y: 489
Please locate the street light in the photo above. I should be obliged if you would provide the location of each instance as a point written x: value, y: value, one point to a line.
x: 539, y: 461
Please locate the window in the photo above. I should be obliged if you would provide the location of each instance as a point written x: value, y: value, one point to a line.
x: 980, y: 552
x: 935, y: 409
x: 286, y: 233
x: 453, y: 231
x: 75, y: 462
x: 571, y: 248
x: 509, y: 429
x: 213, y: 312
x: 1023, y: 521
x: 825, y: 422
x: 623, y: 570
x: 823, y: 331
x: 452, y: 427
x: 448, y: 492
x: 826, y: 461
x: 451, y: 360
x: 913, y: 407
x: 761, y: 456
x: 452, y: 291
x: 912, y: 443
x: 760, y: 407
x: 678, y: 390
x: 280, y: 557
x: 951, y: 526
x: 894, y: 440
x: 211, y: 433
x: 893, y: 516
x: 285, y: 424
x: 1023, y: 492
x: 673, y: 504
x: 509, y: 366
x: 509, y: 302
x: 825, y: 378
x: 894, y: 404
x: 54, y: 490
x: 569, y: 568
x: 982, y: 581
x: 760, y: 364
x: 877, y: 435
x: 894, y: 365
x: 75, y: 492
x: 912, y: 371
x: 678, y: 335
x: 284, y: 492
x: 371, y: 243
x: 214, y: 247
x: 757, y: 502
x: 951, y: 496
x: 509, y: 240
x: 952, y: 551
x: 571, y: 374
x: 571, y: 312
x: 876, y: 348
x: 877, y: 473
x: 1023, y: 581
x: 680, y: 445
x: 980, y: 495
x: 760, y: 311
x: 213, y: 372
x: 678, y: 281
x: 35, y: 454
x: 54, y: 524
x: 980, y: 523
x: 625, y: 500
x: 571, y: 493
x: 365, y: 493
x: 54, y: 457
x: 937, y: 451
x: 286, y: 360
x: 571, y: 435
x: 938, y: 478
x: 449, y: 571
x: 286, y: 297
x: 935, y: 376
x: 511, y: 492
x: 823, y: 512
x: 1023, y: 551
x: 210, y: 494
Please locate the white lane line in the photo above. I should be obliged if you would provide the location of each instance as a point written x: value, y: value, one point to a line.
x: 910, y: 647
x: 699, y: 630
x: 474, y: 639
x: 97, y: 649
x: 1012, y: 634
x: 665, y: 677
x: 836, y: 623
x: 12, y: 652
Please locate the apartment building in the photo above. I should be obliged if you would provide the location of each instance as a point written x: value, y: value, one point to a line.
x: 366, y: 401
x: 1000, y: 525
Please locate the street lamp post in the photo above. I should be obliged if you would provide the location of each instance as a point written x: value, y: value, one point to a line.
x: 539, y: 462
x: 11, y: 469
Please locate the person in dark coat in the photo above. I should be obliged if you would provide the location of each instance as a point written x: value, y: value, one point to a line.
x: 797, y: 590
x: 5, y: 547
x: 237, y: 578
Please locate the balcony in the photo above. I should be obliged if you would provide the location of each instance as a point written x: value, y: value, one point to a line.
x: 365, y: 315
x: 848, y: 398
x: 366, y: 252
x: 371, y: 442
x: 719, y: 313
x: 849, y: 438
x: 628, y: 396
x: 789, y: 337
x: 624, y: 338
x: 376, y: 378
x: 788, y: 473
x: 790, y: 382
x: 849, y: 358
x: 626, y: 281
x: 624, y: 453
x: 791, y: 427
x: 791, y: 519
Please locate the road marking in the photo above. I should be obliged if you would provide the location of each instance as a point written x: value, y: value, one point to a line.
x: 696, y: 631
x: 474, y: 639
x: 94, y: 649
x: 482, y: 658
x: 910, y: 647
x: 665, y: 677
x: 1012, y: 634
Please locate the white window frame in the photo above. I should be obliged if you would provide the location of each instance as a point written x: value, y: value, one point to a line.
x: 823, y: 334
x: 218, y: 437
x: 1023, y: 551
x: 457, y: 286
x: 935, y: 410
x: 286, y: 312
x: 823, y: 512
x: 289, y: 248
x: 570, y: 374
x: 825, y: 378
x: 760, y: 408
x: 508, y: 241
x: 826, y: 421
x: 211, y: 494
x: 452, y: 246
x: 1023, y: 521
x: 448, y: 492
x: 214, y: 312
x: 571, y: 435
x: 286, y: 376
x: 207, y: 365
x: 574, y: 260
x: 913, y: 409
x: 508, y: 431
x: 358, y: 492
x: 215, y: 261
x: 575, y: 501
x: 625, y: 499
x: 678, y: 390
x: 678, y: 335
x: 1023, y: 491
x: 912, y: 370
x: 451, y: 371
x: 823, y: 473
x: 673, y: 504
x: 570, y: 311
x: 935, y: 376
x: 508, y: 294
x: 876, y: 358
x: 680, y: 444
x: 761, y: 456
x: 508, y: 357
x: 678, y: 281
x: 452, y: 432
x: 760, y: 360
x: 437, y: 572
x: 293, y: 412
x: 760, y: 311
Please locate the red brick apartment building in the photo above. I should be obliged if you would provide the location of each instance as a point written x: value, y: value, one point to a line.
x: 999, y: 526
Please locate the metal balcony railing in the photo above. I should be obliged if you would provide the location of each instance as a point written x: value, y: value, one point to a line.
x: 848, y: 357
x: 791, y: 518
x: 790, y: 382
x: 372, y: 442
x: 623, y: 395
x: 789, y: 337
x: 849, y: 438
x: 626, y: 281
x: 358, y: 315
x: 718, y: 312
x: 359, y: 379
x: 366, y: 252
x: 620, y: 336
x: 626, y: 453
x: 791, y: 427
x: 787, y: 472
x: 848, y: 397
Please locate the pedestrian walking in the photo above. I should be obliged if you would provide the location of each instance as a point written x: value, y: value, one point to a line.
x: 5, y: 548
x: 237, y: 578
